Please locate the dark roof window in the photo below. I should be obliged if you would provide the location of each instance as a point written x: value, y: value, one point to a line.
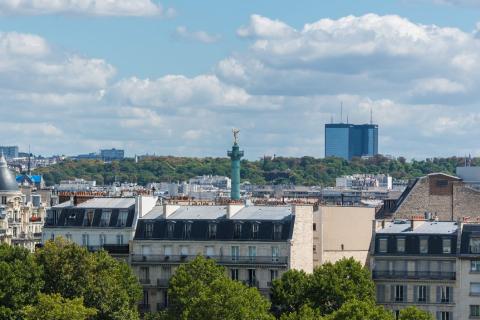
x: 277, y: 231
x: 187, y: 230
x: 255, y: 228
x: 170, y: 229
x: 212, y: 230
x: 237, y: 230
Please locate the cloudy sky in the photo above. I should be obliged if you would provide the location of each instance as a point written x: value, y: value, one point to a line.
x: 174, y: 77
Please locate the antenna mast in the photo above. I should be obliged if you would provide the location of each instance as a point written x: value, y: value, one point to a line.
x: 371, y: 115
x: 341, y: 111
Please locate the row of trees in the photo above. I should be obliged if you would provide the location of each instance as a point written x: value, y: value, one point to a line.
x: 280, y: 170
x: 63, y: 281
x: 341, y: 291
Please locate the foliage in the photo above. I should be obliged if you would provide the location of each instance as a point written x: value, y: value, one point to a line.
x: 334, y: 284
x: 106, y: 284
x: 279, y: 170
x: 305, y: 312
x: 360, y: 310
x: 55, y: 307
x: 412, y: 313
x: 20, y: 280
x: 201, y: 290
x: 290, y: 292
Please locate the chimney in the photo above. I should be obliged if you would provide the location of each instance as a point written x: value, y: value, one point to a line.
x: 416, y: 221
x: 168, y: 209
x: 233, y: 208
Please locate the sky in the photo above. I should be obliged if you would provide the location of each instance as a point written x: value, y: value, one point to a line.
x: 174, y: 77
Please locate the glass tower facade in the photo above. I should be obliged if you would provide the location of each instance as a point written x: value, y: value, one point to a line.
x: 349, y: 140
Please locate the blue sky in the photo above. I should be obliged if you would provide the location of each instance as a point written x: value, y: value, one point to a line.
x: 173, y: 77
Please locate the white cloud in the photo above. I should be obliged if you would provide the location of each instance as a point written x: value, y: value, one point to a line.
x: 84, y: 7
x: 201, y: 36
x: 266, y: 28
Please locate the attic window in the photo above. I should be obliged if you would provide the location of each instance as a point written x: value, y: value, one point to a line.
x: 170, y: 229
x: 212, y: 231
x: 148, y: 230
x: 237, y: 230
x: 187, y: 230
x: 277, y: 231
x: 255, y: 227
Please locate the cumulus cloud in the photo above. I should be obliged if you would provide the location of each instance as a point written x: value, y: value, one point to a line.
x: 84, y: 7
x: 200, y: 36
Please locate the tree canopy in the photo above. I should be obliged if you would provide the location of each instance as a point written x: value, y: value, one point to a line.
x: 55, y: 307
x: 278, y: 170
x: 412, y: 313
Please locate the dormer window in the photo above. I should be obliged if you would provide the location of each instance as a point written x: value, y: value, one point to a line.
x: 237, y: 230
x: 105, y: 219
x: 88, y: 218
x: 170, y: 229
x: 400, y: 244
x: 474, y: 245
x: 148, y: 230
x: 212, y: 231
x: 187, y: 230
x: 277, y: 231
x: 255, y: 227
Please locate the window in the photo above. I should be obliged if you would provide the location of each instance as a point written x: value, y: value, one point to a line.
x: 237, y: 231
x: 444, y: 315
x: 252, y: 277
x: 475, y: 311
x: 445, y: 294
x: 475, y: 289
x: 235, y: 253
x: 314, y: 249
x: 122, y: 218
x: 105, y: 218
x: 212, y: 231
x: 255, y: 228
x: 68, y: 236
x: 144, y: 274
x: 277, y: 231
x: 314, y: 227
x: 275, y: 253
x: 380, y: 291
x: 475, y: 266
x: 4, y: 200
x: 148, y: 230
x: 187, y: 230
x: 447, y: 245
x: 52, y: 236
x: 400, y: 244
x: 170, y: 229
x: 474, y: 245
x: 400, y: 293
x: 209, y: 251
x: 252, y: 252
x: 234, y: 274
x: 421, y: 293
x: 168, y: 250
x: 424, y: 245
x: 102, y: 239
x: 184, y: 250
x: 88, y: 218
x: 273, y: 274
x: 85, y: 240
x: 382, y: 245
x: 119, y: 239
x: 167, y: 272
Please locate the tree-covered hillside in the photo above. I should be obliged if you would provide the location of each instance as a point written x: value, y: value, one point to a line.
x: 300, y: 171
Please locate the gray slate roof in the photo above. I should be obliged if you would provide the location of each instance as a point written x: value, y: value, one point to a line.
x: 8, y: 180
x: 428, y: 227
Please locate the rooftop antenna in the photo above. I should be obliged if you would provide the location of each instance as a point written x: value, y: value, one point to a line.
x: 331, y: 119
x: 341, y: 111
x: 29, y: 169
x: 371, y: 115
x: 347, y: 118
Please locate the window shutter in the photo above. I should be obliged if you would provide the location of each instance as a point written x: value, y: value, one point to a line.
x: 438, y: 295
x: 415, y: 293
x: 392, y: 293
x: 405, y: 294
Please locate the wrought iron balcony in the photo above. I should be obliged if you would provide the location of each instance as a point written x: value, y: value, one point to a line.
x: 427, y: 275
x: 162, y: 283
x: 225, y: 260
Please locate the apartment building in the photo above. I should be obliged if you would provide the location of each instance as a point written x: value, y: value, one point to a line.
x: 256, y: 244
x: 414, y: 263
x: 100, y: 222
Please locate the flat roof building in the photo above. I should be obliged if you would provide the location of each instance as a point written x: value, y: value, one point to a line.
x: 346, y: 141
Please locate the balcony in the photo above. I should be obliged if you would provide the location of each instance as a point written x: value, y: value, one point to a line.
x: 162, y: 283
x: 144, y: 281
x: 426, y: 275
x: 111, y: 248
x: 225, y: 260
x: 251, y: 283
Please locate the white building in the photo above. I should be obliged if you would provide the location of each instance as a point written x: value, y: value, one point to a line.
x: 364, y: 182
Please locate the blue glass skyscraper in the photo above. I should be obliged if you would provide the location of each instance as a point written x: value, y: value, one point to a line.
x: 346, y: 141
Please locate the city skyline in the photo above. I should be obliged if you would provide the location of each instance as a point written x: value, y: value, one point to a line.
x: 173, y: 77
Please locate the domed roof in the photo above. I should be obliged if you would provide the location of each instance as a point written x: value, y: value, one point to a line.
x: 7, y: 178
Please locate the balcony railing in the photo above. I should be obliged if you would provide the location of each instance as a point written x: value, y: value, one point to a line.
x: 227, y: 260
x: 111, y: 248
x: 435, y: 275
x: 251, y: 283
x: 162, y: 283
x: 144, y: 281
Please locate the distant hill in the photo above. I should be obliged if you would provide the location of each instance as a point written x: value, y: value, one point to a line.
x: 300, y: 171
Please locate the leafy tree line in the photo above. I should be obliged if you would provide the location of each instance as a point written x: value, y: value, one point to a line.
x: 280, y: 170
x: 342, y: 291
x: 63, y: 281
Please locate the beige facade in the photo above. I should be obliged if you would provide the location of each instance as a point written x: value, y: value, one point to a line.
x: 342, y: 232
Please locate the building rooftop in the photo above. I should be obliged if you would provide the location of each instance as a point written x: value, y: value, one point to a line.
x: 107, y: 203
x: 263, y: 213
x: 7, y: 178
x: 428, y: 227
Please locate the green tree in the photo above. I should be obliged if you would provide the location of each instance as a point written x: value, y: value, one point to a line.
x: 334, y: 284
x: 201, y: 290
x: 412, y: 313
x: 20, y: 280
x: 55, y: 307
x: 105, y: 284
x: 360, y: 310
x: 290, y: 291
x: 305, y: 312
